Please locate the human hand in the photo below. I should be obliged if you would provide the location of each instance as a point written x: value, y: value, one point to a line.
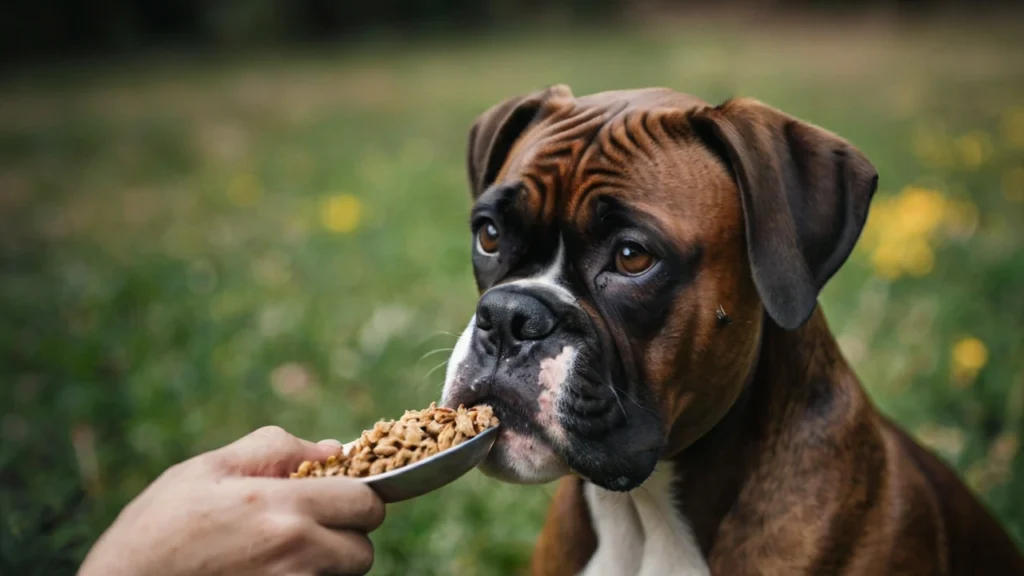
x: 230, y: 512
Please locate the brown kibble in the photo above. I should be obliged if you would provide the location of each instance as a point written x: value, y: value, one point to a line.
x: 444, y: 417
x: 446, y: 435
x: 464, y: 425
x: 402, y: 458
x: 413, y: 436
x: 372, y: 436
x: 389, y: 445
x: 385, y: 451
x: 434, y: 428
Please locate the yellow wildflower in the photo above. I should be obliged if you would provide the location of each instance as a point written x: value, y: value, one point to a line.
x: 341, y: 213
x: 900, y: 230
x: 918, y: 258
x: 920, y: 210
x: 969, y: 356
x: 887, y: 260
x: 878, y: 218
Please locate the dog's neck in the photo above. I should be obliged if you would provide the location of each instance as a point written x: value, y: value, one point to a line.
x: 799, y: 376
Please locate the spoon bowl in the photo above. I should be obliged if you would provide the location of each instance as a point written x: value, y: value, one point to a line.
x: 433, y: 472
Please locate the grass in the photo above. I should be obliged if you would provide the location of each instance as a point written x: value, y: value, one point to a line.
x: 191, y: 250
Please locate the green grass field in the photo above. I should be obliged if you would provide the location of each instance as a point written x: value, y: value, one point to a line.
x: 192, y: 250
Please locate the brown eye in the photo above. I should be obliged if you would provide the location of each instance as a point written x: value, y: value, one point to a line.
x: 632, y: 259
x: 487, y: 238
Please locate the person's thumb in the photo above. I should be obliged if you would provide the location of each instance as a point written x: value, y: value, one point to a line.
x: 269, y: 451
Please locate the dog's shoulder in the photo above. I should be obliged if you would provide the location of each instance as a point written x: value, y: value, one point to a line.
x: 975, y: 546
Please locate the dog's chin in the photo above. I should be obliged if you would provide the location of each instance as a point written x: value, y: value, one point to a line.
x: 523, y: 458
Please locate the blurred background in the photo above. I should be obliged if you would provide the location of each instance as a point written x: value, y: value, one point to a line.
x: 221, y: 214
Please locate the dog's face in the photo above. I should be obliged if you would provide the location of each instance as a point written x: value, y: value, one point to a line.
x: 620, y: 312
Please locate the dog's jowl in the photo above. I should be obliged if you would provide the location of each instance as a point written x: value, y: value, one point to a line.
x: 649, y: 335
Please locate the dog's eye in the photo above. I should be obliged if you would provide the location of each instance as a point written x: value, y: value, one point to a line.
x: 632, y: 259
x: 487, y: 238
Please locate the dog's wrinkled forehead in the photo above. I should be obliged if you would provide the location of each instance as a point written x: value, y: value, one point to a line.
x: 575, y: 146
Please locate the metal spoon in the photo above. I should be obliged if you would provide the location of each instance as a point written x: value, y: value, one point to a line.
x: 430, y: 473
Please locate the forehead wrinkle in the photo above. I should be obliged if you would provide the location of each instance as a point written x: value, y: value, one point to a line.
x: 666, y: 186
x: 595, y: 164
x: 547, y: 158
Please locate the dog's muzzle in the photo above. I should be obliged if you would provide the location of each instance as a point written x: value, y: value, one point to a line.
x: 535, y: 355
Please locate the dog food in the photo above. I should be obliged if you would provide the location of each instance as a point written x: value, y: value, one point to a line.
x: 389, y: 445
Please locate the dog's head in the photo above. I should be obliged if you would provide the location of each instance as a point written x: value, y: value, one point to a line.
x: 627, y: 246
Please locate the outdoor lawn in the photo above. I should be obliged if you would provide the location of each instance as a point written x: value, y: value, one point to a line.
x: 193, y: 249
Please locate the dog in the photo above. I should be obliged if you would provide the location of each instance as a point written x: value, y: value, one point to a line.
x: 648, y: 333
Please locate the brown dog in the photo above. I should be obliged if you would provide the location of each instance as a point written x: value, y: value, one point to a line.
x: 648, y: 332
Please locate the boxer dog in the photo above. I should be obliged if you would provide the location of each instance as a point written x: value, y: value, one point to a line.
x: 649, y: 334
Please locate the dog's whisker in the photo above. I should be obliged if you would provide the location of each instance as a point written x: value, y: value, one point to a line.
x: 434, y: 369
x: 638, y: 404
x: 615, y: 393
x: 438, y: 334
x: 435, y: 351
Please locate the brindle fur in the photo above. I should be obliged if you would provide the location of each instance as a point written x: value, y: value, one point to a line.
x: 784, y: 465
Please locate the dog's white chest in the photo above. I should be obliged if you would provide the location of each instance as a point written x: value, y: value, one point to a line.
x: 641, y: 533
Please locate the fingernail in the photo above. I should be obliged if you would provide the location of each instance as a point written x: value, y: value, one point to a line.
x: 330, y: 442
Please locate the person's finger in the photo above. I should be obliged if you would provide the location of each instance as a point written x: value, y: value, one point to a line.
x: 269, y: 451
x: 330, y: 442
x: 340, y: 552
x: 338, y: 502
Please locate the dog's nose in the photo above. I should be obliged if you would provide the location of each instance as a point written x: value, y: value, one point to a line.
x: 514, y: 316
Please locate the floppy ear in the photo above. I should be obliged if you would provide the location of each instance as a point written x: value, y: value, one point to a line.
x: 495, y: 131
x: 805, y: 195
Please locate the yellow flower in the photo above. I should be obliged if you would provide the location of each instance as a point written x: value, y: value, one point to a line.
x: 878, y: 219
x: 969, y: 356
x: 918, y: 257
x: 901, y: 235
x: 1013, y: 127
x: 244, y: 190
x: 341, y: 213
x: 1013, y: 185
x: 887, y: 260
x: 920, y: 210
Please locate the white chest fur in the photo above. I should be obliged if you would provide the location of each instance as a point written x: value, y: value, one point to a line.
x: 641, y: 533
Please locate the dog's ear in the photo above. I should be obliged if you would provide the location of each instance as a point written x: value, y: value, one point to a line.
x: 496, y: 130
x: 805, y: 194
